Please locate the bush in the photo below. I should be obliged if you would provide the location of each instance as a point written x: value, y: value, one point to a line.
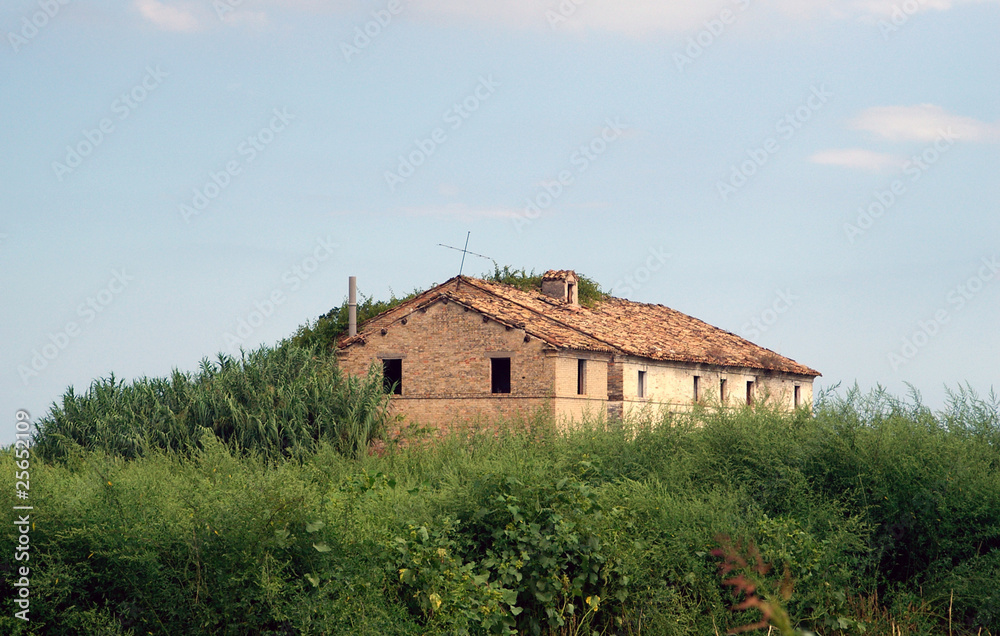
x: 278, y: 402
x: 884, y: 516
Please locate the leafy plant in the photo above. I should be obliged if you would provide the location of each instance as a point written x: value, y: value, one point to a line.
x: 589, y: 292
x: 275, y: 401
x: 327, y: 329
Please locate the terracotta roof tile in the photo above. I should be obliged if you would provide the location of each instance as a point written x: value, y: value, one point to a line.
x: 559, y: 274
x: 613, y: 325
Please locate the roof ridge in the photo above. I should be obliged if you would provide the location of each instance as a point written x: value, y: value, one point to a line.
x: 597, y: 328
x: 413, y: 302
x: 614, y: 347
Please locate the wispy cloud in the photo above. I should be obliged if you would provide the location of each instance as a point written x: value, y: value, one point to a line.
x: 172, y: 17
x: 462, y: 212
x: 632, y: 18
x: 866, y: 10
x: 857, y: 158
x: 924, y: 122
x: 888, y: 7
x: 645, y: 17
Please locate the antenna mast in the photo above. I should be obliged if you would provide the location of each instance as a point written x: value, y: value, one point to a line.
x: 464, y: 251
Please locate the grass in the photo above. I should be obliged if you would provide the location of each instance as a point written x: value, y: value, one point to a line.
x: 886, y: 515
x: 279, y: 402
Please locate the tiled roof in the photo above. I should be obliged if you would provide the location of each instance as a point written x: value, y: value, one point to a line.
x: 613, y: 325
x: 559, y: 274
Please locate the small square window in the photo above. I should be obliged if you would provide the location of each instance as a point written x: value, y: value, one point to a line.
x: 500, y: 375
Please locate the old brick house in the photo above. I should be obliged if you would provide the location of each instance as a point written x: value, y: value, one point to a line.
x: 469, y: 348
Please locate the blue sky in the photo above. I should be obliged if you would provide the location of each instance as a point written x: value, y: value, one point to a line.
x: 180, y: 177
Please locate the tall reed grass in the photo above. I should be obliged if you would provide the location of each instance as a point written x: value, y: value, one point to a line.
x: 871, y: 515
x: 277, y: 401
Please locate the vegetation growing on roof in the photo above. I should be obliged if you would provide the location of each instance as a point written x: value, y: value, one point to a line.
x: 329, y: 327
x: 332, y: 325
x: 589, y: 291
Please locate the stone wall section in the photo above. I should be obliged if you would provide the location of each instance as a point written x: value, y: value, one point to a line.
x: 446, y: 369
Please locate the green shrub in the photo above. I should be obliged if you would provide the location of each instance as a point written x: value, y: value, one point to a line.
x: 275, y: 401
x: 885, y: 515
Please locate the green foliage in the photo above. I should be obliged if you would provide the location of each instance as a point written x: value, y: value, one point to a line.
x: 276, y: 401
x: 331, y: 326
x: 876, y: 515
x: 452, y: 595
x: 214, y: 543
x: 541, y: 542
x: 588, y: 290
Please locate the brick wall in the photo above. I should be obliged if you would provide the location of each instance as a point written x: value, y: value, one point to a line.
x: 446, y: 352
x: 446, y: 373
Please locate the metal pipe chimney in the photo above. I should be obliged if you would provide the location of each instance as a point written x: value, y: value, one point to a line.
x: 352, y: 306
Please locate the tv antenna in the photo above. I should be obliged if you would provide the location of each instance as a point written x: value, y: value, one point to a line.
x: 464, y: 251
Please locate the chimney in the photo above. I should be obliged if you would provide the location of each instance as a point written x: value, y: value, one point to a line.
x: 352, y: 306
x: 561, y: 284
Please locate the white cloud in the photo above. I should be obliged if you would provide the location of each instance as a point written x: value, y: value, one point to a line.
x: 645, y: 17
x: 168, y: 17
x: 634, y: 18
x: 630, y: 17
x: 884, y: 8
x: 857, y: 158
x: 462, y: 212
x: 866, y: 10
x: 925, y: 122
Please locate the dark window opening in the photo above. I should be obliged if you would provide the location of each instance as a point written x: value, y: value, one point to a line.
x: 500, y: 375
x: 392, y: 376
x: 697, y: 388
x: 641, y: 388
x: 798, y: 396
x: 723, y: 396
x: 750, y: 385
x: 581, y: 377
